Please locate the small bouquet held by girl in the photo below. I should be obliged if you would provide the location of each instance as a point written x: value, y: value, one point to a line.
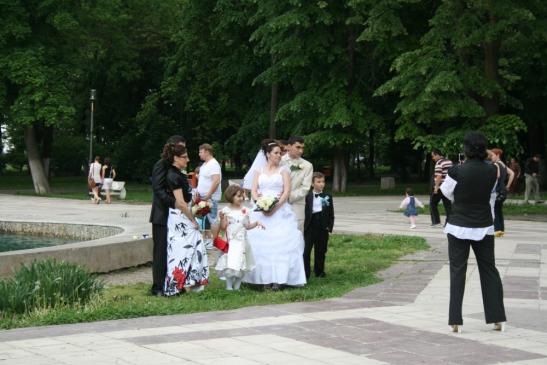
x: 265, y: 203
x: 200, y: 209
x: 234, y: 220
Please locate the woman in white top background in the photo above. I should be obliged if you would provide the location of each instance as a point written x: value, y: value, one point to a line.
x: 95, y: 175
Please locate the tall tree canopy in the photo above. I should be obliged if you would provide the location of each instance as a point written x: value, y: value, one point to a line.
x: 379, y: 81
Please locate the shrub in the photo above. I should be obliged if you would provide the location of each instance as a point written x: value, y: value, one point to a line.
x: 47, y: 284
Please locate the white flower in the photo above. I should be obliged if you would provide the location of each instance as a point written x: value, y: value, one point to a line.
x: 266, y: 203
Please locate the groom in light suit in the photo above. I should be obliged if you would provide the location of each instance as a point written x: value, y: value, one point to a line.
x: 301, y: 172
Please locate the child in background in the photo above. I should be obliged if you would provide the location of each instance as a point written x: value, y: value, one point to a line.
x: 234, y: 220
x: 409, y: 203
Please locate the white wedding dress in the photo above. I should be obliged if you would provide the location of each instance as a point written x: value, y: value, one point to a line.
x: 278, y: 248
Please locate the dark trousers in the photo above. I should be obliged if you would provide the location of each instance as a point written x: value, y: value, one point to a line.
x: 159, y: 256
x: 434, y: 200
x: 499, y: 224
x: 491, y: 286
x: 316, y: 237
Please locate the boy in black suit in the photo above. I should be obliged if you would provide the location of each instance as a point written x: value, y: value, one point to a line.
x: 318, y: 223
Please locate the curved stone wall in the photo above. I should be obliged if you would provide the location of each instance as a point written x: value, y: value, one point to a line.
x: 99, y: 251
x: 80, y: 232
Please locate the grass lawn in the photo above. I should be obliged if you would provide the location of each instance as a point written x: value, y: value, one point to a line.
x: 70, y: 187
x: 352, y: 262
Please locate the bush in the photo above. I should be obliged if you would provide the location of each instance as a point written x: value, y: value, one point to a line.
x: 47, y: 284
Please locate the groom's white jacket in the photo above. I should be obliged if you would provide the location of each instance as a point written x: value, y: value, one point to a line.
x: 301, y: 175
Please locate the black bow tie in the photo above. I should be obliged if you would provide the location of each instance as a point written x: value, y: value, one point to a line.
x: 317, y: 195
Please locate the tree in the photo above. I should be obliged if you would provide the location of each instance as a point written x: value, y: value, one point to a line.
x: 461, y: 75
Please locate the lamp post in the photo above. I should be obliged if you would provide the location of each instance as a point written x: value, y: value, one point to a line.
x: 92, y: 98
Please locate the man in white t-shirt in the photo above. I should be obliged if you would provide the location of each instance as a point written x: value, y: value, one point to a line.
x: 208, y: 188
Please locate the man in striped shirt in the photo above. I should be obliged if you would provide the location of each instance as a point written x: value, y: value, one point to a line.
x: 442, y: 165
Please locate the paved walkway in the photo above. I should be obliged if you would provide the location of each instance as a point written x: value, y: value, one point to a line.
x: 402, y: 320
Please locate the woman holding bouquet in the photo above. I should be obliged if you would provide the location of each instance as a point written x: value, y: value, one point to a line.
x: 187, y: 267
x: 278, y: 248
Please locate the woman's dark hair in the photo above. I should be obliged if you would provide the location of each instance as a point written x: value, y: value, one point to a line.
x: 409, y: 192
x: 174, y: 139
x: 474, y: 145
x: 231, y: 192
x: 107, y: 161
x: 295, y: 139
x: 170, y: 150
x: 268, y: 145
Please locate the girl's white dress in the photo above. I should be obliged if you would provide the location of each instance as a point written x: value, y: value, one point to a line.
x: 239, y: 258
x: 277, y: 249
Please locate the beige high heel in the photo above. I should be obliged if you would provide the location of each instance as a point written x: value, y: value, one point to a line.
x: 456, y: 328
x: 500, y: 326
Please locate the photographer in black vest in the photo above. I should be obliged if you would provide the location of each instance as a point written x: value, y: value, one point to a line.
x: 471, y: 188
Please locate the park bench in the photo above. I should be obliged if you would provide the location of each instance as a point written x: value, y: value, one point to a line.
x: 118, y: 189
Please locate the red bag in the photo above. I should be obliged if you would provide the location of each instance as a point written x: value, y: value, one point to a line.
x: 221, y: 244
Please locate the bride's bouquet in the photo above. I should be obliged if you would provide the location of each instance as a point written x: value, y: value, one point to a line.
x: 265, y: 203
x: 201, y: 208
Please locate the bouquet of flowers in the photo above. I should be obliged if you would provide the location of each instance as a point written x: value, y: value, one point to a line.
x: 201, y: 208
x: 265, y: 203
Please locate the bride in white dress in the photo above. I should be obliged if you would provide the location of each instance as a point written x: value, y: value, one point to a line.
x: 278, y: 248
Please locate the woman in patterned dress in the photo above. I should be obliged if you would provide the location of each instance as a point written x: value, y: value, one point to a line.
x: 187, y: 267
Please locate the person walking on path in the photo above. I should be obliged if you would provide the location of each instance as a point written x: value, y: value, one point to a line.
x: 162, y: 200
x: 441, y: 169
x: 300, y: 172
x: 208, y: 189
x: 531, y: 175
x: 95, y: 175
x: 470, y: 224
x: 108, y: 174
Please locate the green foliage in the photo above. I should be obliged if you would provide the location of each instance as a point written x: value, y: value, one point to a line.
x: 353, y: 262
x: 353, y: 76
x: 462, y: 75
x: 47, y: 284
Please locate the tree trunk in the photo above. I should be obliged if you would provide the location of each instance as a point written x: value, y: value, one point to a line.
x: 340, y: 173
x: 39, y: 178
x: 491, y: 55
x: 273, y: 105
x: 47, y: 146
x: 273, y: 110
x: 371, y: 153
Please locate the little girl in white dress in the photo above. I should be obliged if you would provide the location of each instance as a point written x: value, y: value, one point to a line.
x: 234, y: 220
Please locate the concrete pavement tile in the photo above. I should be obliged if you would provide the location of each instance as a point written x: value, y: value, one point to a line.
x: 36, y: 342
x: 521, y: 294
x: 35, y: 360
x: 401, y: 357
x: 352, y: 360
x: 232, y: 360
x: 191, y: 336
x: 15, y: 353
x: 541, y: 361
x: 530, y: 248
x: 64, y: 348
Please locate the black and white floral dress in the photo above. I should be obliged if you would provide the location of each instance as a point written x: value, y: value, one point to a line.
x: 186, y: 256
